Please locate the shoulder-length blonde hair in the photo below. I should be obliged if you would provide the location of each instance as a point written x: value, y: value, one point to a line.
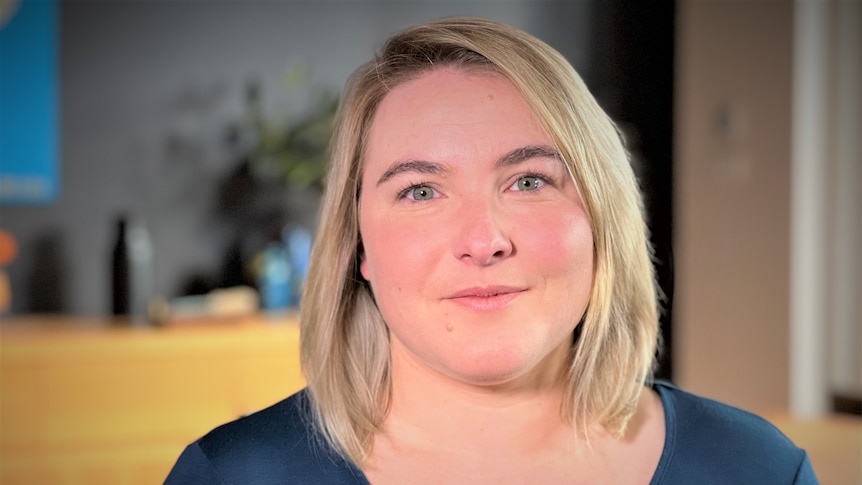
x: 344, y: 340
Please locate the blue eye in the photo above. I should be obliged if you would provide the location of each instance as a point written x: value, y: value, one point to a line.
x: 420, y: 192
x: 528, y: 183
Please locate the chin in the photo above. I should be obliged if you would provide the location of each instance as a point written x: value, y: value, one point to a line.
x: 514, y: 365
x: 491, y: 371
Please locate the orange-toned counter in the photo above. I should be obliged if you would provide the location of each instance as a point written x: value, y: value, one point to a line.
x: 88, y: 401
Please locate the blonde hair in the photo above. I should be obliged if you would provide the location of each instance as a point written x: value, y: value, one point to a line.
x: 344, y: 340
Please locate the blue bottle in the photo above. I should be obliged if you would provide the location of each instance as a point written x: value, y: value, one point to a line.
x: 274, y: 278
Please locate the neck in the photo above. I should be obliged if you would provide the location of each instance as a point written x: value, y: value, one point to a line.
x: 429, y: 409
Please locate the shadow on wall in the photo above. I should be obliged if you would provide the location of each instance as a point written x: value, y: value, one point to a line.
x: 45, y: 292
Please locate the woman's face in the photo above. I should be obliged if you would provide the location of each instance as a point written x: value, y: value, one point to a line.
x: 476, y: 243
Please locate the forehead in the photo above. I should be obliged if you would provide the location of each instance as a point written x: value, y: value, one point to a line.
x: 446, y: 86
x: 451, y: 107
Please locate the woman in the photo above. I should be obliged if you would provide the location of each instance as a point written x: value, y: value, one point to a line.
x: 481, y: 305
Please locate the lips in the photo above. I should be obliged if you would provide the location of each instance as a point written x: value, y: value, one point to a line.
x: 486, y: 298
x: 486, y: 292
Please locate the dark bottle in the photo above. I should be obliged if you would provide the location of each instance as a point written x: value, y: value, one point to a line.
x: 120, y: 271
x: 131, y: 281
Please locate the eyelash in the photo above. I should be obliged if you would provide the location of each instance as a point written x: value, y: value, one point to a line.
x: 544, y: 179
x: 402, y: 194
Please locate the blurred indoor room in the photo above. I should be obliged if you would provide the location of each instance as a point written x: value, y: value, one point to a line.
x: 161, y: 165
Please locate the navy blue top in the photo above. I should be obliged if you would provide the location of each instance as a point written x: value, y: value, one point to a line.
x: 706, y: 442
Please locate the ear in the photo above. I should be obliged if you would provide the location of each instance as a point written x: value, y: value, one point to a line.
x: 363, y: 266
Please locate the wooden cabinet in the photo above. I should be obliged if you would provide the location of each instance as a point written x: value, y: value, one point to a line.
x: 89, y: 401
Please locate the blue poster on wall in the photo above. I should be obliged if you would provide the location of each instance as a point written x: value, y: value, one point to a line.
x: 29, y: 141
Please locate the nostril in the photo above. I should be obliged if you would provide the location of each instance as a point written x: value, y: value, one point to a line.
x: 484, y: 239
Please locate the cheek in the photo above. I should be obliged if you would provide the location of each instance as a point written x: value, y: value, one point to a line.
x: 560, y: 242
x: 396, y: 252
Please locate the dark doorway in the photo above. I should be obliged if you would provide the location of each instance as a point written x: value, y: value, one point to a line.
x: 631, y: 73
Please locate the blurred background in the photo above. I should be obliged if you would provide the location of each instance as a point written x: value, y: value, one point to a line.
x: 161, y: 164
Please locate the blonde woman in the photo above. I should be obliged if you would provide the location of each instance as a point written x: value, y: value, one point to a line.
x: 481, y: 306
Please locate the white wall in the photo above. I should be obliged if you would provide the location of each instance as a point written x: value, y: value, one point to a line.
x: 826, y: 279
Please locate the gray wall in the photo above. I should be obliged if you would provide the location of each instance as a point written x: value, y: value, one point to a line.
x: 148, y: 90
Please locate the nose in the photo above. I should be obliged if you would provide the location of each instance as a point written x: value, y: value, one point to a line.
x: 483, y: 239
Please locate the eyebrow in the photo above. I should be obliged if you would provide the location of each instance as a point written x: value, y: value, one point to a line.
x: 417, y: 166
x: 520, y: 155
x: 514, y: 157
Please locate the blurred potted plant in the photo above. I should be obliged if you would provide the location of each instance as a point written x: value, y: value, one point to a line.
x: 295, y: 153
x: 276, y: 184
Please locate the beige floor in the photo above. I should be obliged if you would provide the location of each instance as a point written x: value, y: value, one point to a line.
x: 834, y: 444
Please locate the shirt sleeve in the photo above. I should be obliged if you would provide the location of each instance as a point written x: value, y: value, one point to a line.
x: 193, y: 468
x: 805, y: 474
